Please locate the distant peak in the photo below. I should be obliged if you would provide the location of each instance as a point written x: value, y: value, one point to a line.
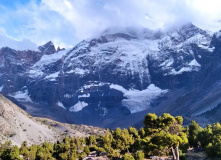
x: 21, y: 45
x: 212, y: 26
x: 60, y: 49
x: 48, y: 44
x: 133, y: 31
x: 48, y: 48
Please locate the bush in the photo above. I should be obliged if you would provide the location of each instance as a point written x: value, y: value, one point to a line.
x: 182, y: 155
x: 139, y: 155
x: 86, y: 150
x: 128, y: 156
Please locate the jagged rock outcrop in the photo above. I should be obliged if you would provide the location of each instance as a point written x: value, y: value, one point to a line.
x: 48, y: 48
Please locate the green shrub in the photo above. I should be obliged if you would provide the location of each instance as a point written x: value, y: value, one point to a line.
x: 139, y: 155
x: 128, y: 156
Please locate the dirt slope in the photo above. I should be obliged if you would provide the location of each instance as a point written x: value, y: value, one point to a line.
x: 18, y: 126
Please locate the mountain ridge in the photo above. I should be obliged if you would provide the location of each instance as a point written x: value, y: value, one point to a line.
x: 113, y: 79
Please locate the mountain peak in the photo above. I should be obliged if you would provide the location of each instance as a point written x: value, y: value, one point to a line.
x: 133, y: 31
x: 49, y: 43
x: 60, y: 49
x: 48, y: 48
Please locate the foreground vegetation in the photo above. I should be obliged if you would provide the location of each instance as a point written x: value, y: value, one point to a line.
x: 160, y: 136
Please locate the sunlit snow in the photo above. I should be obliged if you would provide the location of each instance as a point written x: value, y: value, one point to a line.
x: 78, y: 71
x: 139, y: 100
x: 53, y: 76
x: 21, y: 96
x: 1, y: 88
x: 61, y: 105
x: 84, y: 95
x: 78, y: 106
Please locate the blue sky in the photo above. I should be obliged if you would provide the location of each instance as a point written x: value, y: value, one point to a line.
x: 13, y: 3
x: 66, y: 22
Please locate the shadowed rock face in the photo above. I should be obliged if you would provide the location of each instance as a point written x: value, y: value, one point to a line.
x: 115, y: 79
x: 48, y: 48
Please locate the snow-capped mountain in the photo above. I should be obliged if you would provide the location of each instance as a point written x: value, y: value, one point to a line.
x: 21, y: 45
x: 117, y: 77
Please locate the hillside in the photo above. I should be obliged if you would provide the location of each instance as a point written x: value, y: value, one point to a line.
x: 18, y: 126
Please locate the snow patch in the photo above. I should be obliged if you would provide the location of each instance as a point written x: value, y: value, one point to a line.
x: 210, y: 49
x: 199, y: 39
x: 68, y: 96
x: 105, y: 110
x: 61, y: 105
x: 1, y: 88
x: 167, y: 63
x: 35, y: 73
x: 78, y: 71
x: 194, y: 63
x: 78, y: 106
x: 21, y: 96
x: 202, y: 46
x: 53, y: 76
x: 47, y: 59
x: 94, y: 85
x: 139, y: 100
x: 192, y: 66
x: 118, y: 87
x: 184, y: 69
x: 84, y: 96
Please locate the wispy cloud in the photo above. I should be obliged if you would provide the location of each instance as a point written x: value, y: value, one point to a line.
x: 66, y: 22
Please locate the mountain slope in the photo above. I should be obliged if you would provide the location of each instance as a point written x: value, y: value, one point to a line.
x: 118, y: 77
x: 18, y: 126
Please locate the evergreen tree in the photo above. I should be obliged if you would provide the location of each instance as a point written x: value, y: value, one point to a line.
x: 24, y: 150
x: 142, y: 132
x: 45, y: 151
x: 91, y: 140
x: 205, y: 136
x: 128, y: 156
x: 107, y: 140
x: 122, y: 139
x: 194, y: 129
x: 213, y: 148
x: 14, y: 153
x: 163, y: 134
x: 86, y: 150
x: 5, y: 150
x: 32, y: 152
x: 139, y: 155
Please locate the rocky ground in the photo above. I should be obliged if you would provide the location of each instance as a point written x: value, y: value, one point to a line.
x: 18, y: 126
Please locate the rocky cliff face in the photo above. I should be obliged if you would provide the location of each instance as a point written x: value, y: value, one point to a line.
x: 117, y: 78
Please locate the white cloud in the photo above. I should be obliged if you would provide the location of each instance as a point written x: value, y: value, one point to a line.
x: 67, y: 22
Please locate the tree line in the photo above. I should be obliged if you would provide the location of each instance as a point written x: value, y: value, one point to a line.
x: 160, y: 136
